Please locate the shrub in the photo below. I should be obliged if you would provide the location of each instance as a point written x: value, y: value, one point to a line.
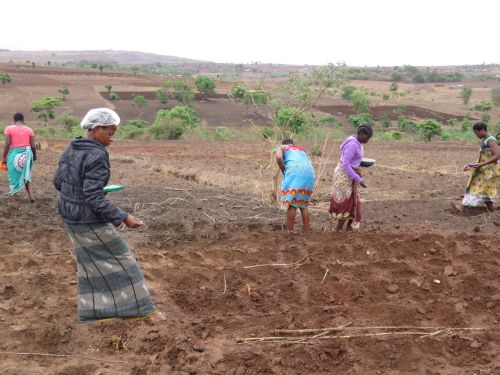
x: 167, y: 128
x: 407, y: 124
x: 292, y: 119
x: 222, y: 133
x: 162, y: 95
x: 429, y: 128
x: 267, y: 133
x: 360, y: 101
x: 397, y: 136
x: 316, y: 151
x: 347, y: 92
x: 113, y: 96
x: 394, y: 87
x: 357, y: 120
x: 237, y: 91
x: 466, y: 125
x: 205, y: 85
x: 257, y: 97
x: 482, y: 106
x: 385, y: 96
x: 385, y: 121
x: 466, y: 94
x: 485, y: 117
x: 452, y: 121
x: 5, y: 77
x: 133, y: 129
x: 68, y: 121
x: 495, y: 96
x: 326, y: 119
x: 186, y: 114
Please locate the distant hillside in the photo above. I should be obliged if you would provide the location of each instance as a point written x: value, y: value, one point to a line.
x: 123, y: 58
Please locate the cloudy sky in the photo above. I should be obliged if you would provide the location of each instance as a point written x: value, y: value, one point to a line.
x: 358, y: 32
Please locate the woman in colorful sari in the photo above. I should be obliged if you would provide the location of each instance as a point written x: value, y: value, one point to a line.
x: 110, y: 283
x: 345, y: 204
x: 297, y: 183
x: 481, y: 190
x: 19, y: 153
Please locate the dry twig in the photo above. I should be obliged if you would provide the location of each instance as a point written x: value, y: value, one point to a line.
x: 298, y: 263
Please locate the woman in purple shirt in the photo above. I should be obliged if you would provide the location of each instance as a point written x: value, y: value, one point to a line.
x: 345, y: 204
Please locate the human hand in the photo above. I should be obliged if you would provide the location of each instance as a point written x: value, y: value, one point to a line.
x: 132, y: 222
x: 363, y: 184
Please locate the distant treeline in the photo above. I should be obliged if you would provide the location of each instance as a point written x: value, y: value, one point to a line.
x: 409, y: 73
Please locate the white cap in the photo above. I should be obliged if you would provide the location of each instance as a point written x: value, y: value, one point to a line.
x: 100, y: 117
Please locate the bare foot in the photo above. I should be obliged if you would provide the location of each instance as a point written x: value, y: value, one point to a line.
x: 157, y: 318
x: 457, y: 207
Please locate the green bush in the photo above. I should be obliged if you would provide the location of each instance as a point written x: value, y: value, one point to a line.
x: 466, y: 94
x: 466, y: 124
x: 452, y: 121
x: 394, y: 87
x: 133, y: 129
x: 397, y: 136
x: 68, y: 121
x: 429, y: 128
x: 407, y: 124
x: 222, y: 133
x: 326, y: 119
x: 316, y: 150
x: 186, y: 114
x: 267, y: 133
x: 167, y: 128
x: 347, y: 92
x: 385, y: 96
x: 385, y: 121
x: 483, y: 106
x: 360, y: 101
x: 257, y: 97
x: 485, y: 117
x: 357, y: 120
x: 495, y: 96
x: 237, y: 91
x: 292, y: 119
x: 113, y: 96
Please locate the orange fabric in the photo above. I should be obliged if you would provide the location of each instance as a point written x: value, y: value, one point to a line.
x: 19, y: 135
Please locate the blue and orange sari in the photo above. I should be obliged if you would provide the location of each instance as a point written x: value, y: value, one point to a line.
x: 298, y: 181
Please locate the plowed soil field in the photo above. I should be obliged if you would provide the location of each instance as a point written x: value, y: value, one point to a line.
x: 415, y: 291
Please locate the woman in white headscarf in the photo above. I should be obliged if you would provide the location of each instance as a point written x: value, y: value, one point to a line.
x: 110, y: 283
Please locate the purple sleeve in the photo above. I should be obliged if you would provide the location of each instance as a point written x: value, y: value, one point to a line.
x: 348, y: 153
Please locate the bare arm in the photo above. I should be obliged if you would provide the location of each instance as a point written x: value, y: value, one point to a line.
x: 33, y: 147
x: 496, y: 153
x: 280, y: 159
x: 6, y: 148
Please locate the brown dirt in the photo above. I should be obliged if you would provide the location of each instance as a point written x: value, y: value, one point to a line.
x: 206, y: 220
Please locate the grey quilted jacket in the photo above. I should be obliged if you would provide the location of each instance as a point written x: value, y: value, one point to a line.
x: 82, y: 173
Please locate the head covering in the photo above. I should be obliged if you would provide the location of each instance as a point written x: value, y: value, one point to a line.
x: 100, y: 117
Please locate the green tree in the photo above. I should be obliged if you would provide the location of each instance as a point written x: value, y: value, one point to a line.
x: 255, y: 97
x: 180, y: 91
x: 394, y: 87
x: 45, y: 107
x: 429, y: 128
x: 162, y: 95
x: 140, y: 102
x: 466, y: 94
x: 205, y: 85
x: 166, y: 127
x: 5, y: 77
x: 100, y: 67
x: 237, y: 91
x: 291, y: 118
x: 495, y: 96
x: 63, y: 90
x: 360, y: 101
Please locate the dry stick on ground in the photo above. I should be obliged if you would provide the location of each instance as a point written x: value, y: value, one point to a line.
x: 324, y: 333
x: 225, y: 284
x: 324, y: 277
x: 302, y: 339
x: 207, y: 215
x: 298, y: 263
x: 27, y: 260
x: 311, y: 330
x: 66, y: 356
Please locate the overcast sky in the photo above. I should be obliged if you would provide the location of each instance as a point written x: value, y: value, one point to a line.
x: 359, y: 32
